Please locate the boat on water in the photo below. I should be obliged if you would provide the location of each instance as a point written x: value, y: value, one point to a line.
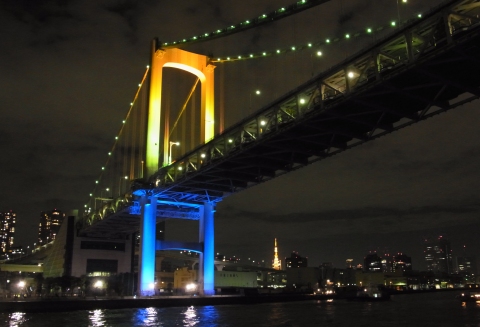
x: 469, y: 296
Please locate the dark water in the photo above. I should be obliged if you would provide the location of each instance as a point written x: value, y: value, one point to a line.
x: 404, y: 310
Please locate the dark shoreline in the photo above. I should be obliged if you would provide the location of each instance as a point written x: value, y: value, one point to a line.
x: 72, y: 303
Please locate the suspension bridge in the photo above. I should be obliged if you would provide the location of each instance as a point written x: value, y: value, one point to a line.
x: 426, y: 66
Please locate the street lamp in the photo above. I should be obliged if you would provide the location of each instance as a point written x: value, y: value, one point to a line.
x: 257, y: 92
x: 120, y: 184
x: 104, y: 195
x: 170, y: 153
x: 190, y: 288
x: 21, y: 285
x: 98, y: 287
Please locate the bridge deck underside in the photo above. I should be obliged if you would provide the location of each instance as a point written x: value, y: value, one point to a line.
x: 423, y: 69
x: 126, y: 221
x: 411, y: 94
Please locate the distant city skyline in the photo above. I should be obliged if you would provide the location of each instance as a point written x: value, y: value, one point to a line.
x: 435, y: 248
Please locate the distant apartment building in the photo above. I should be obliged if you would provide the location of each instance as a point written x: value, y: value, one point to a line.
x: 467, y: 268
x: 467, y: 265
x: 49, y: 225
x: 372, y: 262
x: 387, y: 263
x: 7, y: 231
x: 438, y: 255
x: 296, y: 261
x: 402, y: 262
x: 349, y: 263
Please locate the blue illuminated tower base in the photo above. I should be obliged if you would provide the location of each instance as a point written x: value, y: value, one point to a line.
x: 148, y: 246
x: 206, y: 268
x: 146, y: 272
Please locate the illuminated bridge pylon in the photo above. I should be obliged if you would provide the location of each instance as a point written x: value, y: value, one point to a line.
x: 198, y: 65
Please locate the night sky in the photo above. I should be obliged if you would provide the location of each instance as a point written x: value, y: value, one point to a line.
x: 69, y: 70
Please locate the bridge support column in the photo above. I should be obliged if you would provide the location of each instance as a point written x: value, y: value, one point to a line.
x: 146, y: 271
x: 206, y: 268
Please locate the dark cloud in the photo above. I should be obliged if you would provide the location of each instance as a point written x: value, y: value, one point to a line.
x: 382, y: 218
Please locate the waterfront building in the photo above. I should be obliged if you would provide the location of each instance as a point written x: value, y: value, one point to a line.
x: 303, y: 278
x: 277, y: 264
x: 438, y: 255
x: 72, y: 255
x: 331, y: 276
x: 369, y: 278
x: 49, y: 225
x: 296, y: 261
x: 185, y: 280
x: 274, y: 279
x: 346, y: 277
x: 7, y: 231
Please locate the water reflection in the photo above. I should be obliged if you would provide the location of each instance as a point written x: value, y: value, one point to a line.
x: 209, y: 316
x: 147, y: 317
x: 277, y: 315
x: 97, y: 318
x: 16, y: 319
x: 190, y: 317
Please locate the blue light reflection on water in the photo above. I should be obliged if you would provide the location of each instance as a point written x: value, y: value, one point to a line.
x: 187, y: 316
x: 146, y: 317
x: 407, y: 310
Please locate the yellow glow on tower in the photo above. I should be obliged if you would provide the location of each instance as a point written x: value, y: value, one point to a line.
x: 195, y: 64
x: 277, y: 264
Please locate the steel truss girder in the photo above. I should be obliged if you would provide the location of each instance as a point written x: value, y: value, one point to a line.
x: 226, y: 161
x: 171, y: 205
x: 334, y: 112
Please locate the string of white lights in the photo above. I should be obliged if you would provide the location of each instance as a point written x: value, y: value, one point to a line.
x: 249, y: 23
x: 263, y: 54
x: 366, y: 32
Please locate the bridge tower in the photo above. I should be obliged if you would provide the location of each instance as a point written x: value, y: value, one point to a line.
x: 198, y: 65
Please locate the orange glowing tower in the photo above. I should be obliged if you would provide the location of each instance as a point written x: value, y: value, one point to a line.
x: 277, y: 264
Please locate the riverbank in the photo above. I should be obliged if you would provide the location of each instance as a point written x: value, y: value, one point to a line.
x: 72, y: 303
x: 56, y: 304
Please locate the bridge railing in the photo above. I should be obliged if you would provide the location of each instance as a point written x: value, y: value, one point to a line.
x: 419, y: 40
